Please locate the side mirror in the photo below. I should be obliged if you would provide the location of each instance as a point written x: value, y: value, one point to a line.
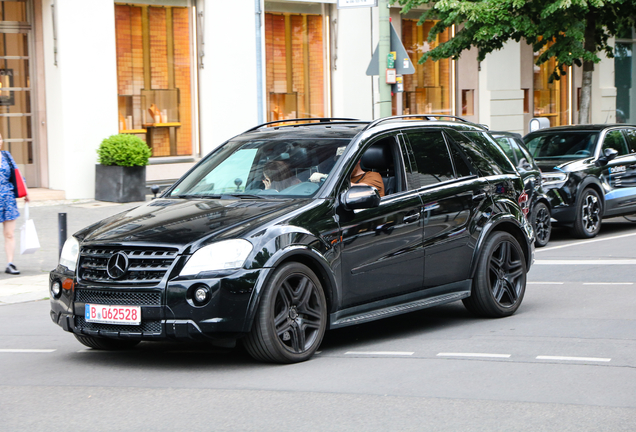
x: 361, y: 197
x: 608, y: 155
x: 155, y: 190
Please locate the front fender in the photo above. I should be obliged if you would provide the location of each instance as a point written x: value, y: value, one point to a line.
x: 305, y: 255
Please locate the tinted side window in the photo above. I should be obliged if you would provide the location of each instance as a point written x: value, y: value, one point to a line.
x: 462, y: 166
x: 631, y: 139
x: 477, y: 157
x: 488, y: 144
x: 431, y: 158
x: 614, y: 139
x: 506, y: 146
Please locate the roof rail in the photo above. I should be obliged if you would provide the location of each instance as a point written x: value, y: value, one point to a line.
x: 432, y: 117
x: 320, y: 119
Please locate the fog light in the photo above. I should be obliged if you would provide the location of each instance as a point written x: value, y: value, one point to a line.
x: 56, y: 289
x: 200, y: 295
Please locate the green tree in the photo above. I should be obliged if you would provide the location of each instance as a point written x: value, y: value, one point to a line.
x: 574, y: 32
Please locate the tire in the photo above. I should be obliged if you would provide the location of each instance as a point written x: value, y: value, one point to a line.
x: 540, y: 219
x: 106, y: 344
x: 589, y: 212
x: 291, y: 318
x: 500, y: 281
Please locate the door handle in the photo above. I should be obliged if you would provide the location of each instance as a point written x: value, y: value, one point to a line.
x: 411, y: 218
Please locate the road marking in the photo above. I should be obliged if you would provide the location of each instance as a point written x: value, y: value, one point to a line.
x: 608, y: 283
x: 481, y: 355
x: 544, y: 283
x: 592, y: 359
x: 583, y: 243
x: 587, y: 262
x: 26, y: 350
x: 385, y: 353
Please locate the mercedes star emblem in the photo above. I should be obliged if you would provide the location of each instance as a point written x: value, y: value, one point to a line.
x: 117, y: 265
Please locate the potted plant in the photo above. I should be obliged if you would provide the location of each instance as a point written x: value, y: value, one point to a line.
x: 120, y: 175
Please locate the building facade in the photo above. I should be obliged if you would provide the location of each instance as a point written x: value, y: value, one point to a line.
x: 185, y: 75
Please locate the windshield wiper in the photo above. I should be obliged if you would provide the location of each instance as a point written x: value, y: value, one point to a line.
x: 199, y: 196
x: 245, y: 196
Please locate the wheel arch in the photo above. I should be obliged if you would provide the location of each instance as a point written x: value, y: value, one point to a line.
x: 591, y: 183
x: 511, y: 226
x: 303, y: 255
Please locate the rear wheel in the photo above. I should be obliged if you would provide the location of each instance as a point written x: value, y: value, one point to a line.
x: 500, y: 282
x: 291, y: 318
x: 588, y: 215
x: 541, y: 224
x: 106, y: 344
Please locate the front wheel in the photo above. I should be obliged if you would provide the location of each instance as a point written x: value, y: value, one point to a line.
x: 500, y: 281
x: 291, y: 318
x: 588, y: 215
x: 106, y: 344
x: 541, y: 224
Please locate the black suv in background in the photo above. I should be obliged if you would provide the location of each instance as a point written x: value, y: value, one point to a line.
x: 589, y: 172
x: 539, y: 206
x: 269, y: 240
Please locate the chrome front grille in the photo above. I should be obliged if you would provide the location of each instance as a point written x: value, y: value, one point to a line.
x: 124, y: 298
x: 146, y: 266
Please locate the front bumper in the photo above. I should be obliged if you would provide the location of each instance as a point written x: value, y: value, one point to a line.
x: 167, y: 310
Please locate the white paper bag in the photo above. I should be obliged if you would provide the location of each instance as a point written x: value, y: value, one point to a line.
x: 29, y: 242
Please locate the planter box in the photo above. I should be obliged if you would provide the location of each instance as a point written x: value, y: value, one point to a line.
x: 120, y: 184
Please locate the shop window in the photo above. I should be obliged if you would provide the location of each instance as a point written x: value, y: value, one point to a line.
x: 623, y: 71
x: 550, y: 98
x: 468, y: 102
x: 428, y: 90
x: 294, y: 47
x: 154, y: 76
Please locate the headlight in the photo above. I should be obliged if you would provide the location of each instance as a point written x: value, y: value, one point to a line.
x: 553, y: 178
x: 224, y: 255
x: 70, y: 252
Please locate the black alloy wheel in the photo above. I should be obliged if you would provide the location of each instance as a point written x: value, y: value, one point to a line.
x: 588, y: 216
x: 291, y: 318
x: 541, y: 223
x: 106, y: 344
x: 500, y: 281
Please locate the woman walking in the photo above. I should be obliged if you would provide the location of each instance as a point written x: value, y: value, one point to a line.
x: 8, y: 208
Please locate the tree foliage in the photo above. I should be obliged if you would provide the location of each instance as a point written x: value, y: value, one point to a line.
x: 574, y: 31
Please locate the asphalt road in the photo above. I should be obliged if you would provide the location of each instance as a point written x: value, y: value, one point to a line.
x: 565, y: 362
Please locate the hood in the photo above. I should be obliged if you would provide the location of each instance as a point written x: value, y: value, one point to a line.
x: 180, y: 222
x: 561, y: 165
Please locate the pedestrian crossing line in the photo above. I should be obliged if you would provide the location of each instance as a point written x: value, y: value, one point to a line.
x: 545, y: 283
x: 26, y: 350
x: 563, y: 358
x: 587, y: 262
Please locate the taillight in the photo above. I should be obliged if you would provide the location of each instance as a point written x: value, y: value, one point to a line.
x: 523, y: 203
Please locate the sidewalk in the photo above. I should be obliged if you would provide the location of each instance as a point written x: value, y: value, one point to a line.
x: 44, y: 208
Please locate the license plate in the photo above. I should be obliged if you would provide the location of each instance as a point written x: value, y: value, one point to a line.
x: 104, y: 314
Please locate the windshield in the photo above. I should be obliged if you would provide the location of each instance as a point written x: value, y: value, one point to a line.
x: 286, y: 168
x: 562, y: 145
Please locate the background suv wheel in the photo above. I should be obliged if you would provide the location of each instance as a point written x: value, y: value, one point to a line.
x: 588, y: 215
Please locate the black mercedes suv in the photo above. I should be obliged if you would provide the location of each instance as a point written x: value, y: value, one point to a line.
x: 539, y: 205
x: 296, y: 227
x: 589, y: 172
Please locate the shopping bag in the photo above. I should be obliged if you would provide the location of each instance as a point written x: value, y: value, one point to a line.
x: 16, y: 179
x: 29, y: 242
